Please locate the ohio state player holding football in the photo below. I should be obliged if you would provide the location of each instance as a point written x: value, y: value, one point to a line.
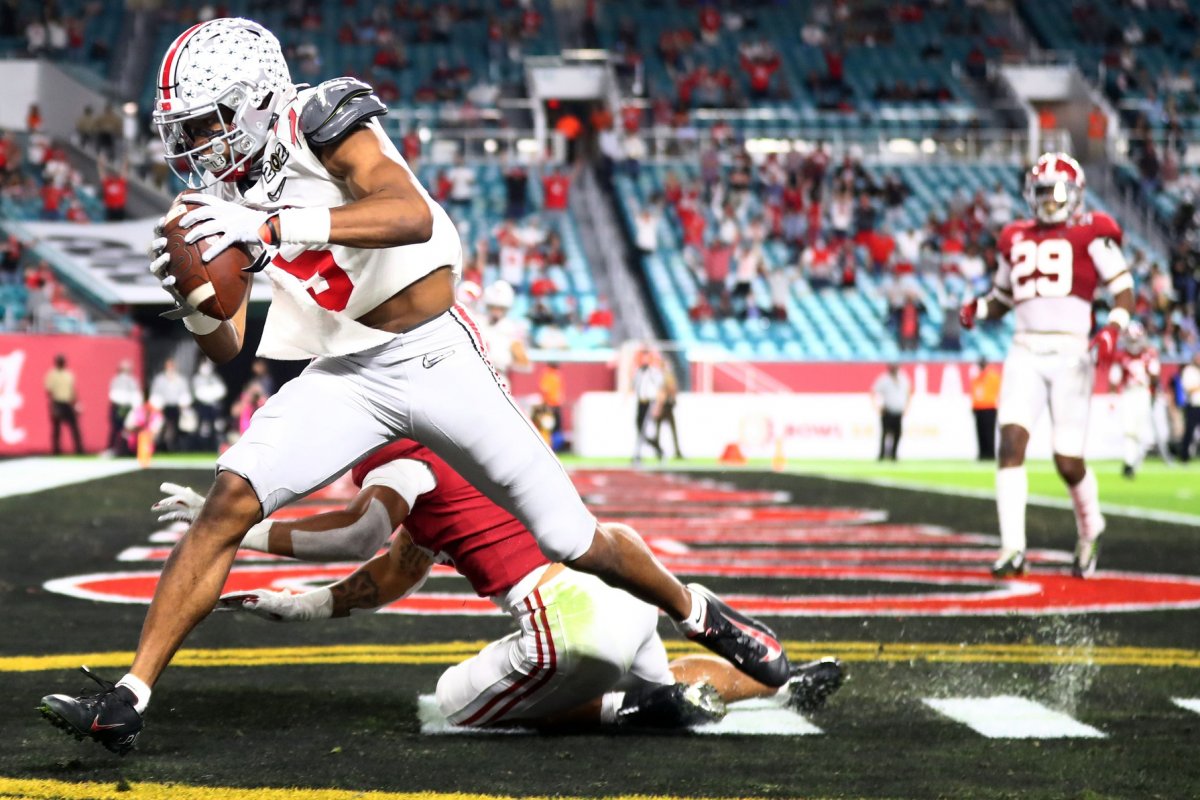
x: 577, y: 637
x: 362, y: 264
x: 1050, y: 269
x: 1134, y: 374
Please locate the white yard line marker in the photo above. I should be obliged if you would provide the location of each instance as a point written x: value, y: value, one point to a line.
x: 1190, y: 703
x: 1010, y: 717
x: 20, y: 476
x: 751, y: 717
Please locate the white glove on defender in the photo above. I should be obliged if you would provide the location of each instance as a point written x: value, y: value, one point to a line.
x: 280, y: 606
x: 182, y: 503
x: 235, y: 223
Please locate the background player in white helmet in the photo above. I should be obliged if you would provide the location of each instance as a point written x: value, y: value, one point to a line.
x: 604, y: 642
x: 1051, y: 267
x: 362, y: 264
x: 1135, y: 374
x: 506, y: 336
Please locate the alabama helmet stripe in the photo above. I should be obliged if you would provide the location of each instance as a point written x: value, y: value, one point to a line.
x: 166, y: 80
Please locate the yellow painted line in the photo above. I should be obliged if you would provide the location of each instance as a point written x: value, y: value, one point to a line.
x: 454, y: 652
x: 29, y: 789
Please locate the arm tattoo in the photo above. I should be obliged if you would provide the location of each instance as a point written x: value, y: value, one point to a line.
x: 357, y: 591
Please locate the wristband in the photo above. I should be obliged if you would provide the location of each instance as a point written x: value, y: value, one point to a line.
x: 1119, y: 317
x: 304, y: 225
x: 257, y: 537
x: 317, y: 604
x: 200, y: 324
x: 981, y: 308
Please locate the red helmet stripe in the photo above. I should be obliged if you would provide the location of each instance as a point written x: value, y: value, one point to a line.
x: 165, y: 81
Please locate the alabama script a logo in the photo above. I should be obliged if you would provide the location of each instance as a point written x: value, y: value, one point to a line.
x: 10, y: 397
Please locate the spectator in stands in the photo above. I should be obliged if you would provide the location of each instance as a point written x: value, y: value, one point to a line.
x: 516, y: 187
x: 951, y: 339
x: 1000, y: 206
x: 169, y: 392
x: 881, y: 247
x: 890, y: 395
x: 779, y: 283
x: 634, y: 153
x: 908, y: 249
x: 818, y: 263
x: 462, y: 185
x: 717, y: 257
x: 85, y: 128
x: 645, y: 225
x: 124, y: 395
x: 208, y: 392
x: 841, y: 213
x: 550, y: 387
x: 601, y: 316
x: 109, y: 126
x: 60, y: 391
x: 865, y: 219
x: 260, y: 378
x: 10, y: 261
x: 909, y: 324
x: 56, y: 37
x: 749, y: 265
x: 115, y: 188
x: 36, y: 37
x: 665, y: 412
x: 556, y: 188
x: 53, y: 199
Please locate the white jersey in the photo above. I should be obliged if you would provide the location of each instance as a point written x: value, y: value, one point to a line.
x: 320, y: 290
x: 499, y: 337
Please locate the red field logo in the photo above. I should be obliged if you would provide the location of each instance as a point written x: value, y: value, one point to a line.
x: 704, y: 529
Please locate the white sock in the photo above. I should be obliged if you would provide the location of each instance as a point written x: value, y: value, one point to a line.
x: 141, y: 692
x: 1012, y: 493
x: 1133, y: 451
x: 610, y: 703
x: 694, y: 622
x: 1085, y: 495
x: 256, y: 538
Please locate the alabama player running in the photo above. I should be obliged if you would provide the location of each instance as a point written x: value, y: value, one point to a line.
x: 1135, y: 374
x: 576, y: 638
x: 362, y: 264
x: 1050, y: 269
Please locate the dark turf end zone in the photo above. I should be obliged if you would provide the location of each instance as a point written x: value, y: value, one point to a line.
x: 355, y: 727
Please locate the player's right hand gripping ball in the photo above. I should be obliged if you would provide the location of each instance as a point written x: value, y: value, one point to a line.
x: 216, y: 289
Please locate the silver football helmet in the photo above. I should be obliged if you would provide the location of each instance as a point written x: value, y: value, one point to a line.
x: 220, y: 87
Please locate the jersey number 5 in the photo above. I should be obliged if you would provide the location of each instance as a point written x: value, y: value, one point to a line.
x: 325, y: 281
x: 1042, y: 269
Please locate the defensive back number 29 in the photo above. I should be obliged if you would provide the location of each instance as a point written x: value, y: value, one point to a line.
x: 1042, y: 269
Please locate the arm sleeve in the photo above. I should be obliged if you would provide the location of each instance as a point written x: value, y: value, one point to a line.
x: 1110, y: 264
x: 407, y: 477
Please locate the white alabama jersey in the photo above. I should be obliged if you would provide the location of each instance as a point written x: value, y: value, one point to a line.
x: 499, y: 337
x: 319, y: 290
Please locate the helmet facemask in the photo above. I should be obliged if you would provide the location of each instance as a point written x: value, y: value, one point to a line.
x: 213, y: 141
x: 1055, y: 202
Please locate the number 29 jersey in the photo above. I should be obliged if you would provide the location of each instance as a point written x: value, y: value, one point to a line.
x: 1050, y: 273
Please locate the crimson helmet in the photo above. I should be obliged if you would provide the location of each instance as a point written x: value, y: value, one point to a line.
x: 1054, y: 188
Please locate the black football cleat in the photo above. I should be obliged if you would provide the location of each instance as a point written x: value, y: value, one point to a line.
x: 1010, y: 565
x: 745, y: 642
x: 811, y: 684
x: 107, y: 716
x: 671, y: 706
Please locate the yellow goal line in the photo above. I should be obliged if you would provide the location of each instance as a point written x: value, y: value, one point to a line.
x: 455, y: 651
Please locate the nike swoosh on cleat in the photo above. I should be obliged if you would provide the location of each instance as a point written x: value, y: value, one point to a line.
x: 96, y: 726
x: 774, y: 649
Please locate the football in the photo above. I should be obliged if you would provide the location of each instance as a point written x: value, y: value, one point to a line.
x: 217, y: 288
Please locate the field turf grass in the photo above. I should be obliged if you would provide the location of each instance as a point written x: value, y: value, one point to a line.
x: 340, y: 724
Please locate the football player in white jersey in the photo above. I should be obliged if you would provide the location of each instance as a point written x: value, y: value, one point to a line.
x: 1135, y: 374
x: 506, y: 337
x: 1051, y: 267
x: 362, y: 264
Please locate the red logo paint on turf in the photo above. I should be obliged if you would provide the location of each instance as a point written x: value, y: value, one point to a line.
x: 919, y: 570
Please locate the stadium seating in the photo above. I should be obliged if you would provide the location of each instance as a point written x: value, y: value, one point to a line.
x: 103, y: 21
x: 923, y: 49
x: 20, y: 207
x: 829, y: 323
x: 574, y: 279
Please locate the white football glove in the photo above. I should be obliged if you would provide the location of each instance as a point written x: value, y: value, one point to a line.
x: 282, y: 606
x: 181, y: 503
x: 160, y: 262
x: 233, y: 222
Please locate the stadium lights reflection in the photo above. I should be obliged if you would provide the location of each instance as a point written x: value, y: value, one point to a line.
x: 423, y: 134
x: 130, y: 109
x: 490, y: 146
x: 902, y: 147
x: 529, y: 146
x: 928, y: 146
